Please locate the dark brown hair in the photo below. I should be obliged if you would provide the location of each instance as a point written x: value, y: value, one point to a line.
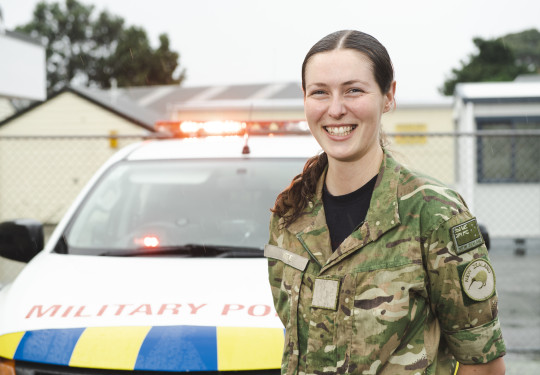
x: 292, y: 202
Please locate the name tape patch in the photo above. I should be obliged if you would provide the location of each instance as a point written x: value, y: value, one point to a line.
x: 466, y: 236
x: 478, y: 280
x: 287, y: 257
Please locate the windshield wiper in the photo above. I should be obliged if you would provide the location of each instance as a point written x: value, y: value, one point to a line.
x: 191, y: 250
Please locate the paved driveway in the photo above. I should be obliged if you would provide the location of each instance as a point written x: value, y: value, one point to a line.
x: 518, y: 286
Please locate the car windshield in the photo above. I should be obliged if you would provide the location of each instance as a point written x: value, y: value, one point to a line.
x: 178, y: 204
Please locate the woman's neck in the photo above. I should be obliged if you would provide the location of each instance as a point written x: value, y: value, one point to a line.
x: 344, y: 177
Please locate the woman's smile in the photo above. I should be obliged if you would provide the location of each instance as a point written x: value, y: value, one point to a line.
x: 339, y: 130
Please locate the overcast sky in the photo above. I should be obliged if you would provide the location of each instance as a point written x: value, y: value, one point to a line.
x: 255, y: 41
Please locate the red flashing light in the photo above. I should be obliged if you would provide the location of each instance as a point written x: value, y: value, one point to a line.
x: 149, y: 241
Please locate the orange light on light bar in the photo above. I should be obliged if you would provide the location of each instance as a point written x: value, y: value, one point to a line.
x: 222, y: 128
x: 212, y: 127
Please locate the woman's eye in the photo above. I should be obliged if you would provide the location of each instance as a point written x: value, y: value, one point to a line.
x: 317, y: 94
x: 356, y: 90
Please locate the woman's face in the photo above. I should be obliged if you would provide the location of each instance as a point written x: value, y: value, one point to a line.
x: 343, y: 104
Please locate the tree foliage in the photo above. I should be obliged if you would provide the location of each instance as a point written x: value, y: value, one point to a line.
x: 526, y: 48
x: 95, y: 51
x: 501, y: 59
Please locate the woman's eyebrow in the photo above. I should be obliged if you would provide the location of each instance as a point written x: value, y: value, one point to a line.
x: 317, y: 84
x: 354, y: 82
x: 346, y: 83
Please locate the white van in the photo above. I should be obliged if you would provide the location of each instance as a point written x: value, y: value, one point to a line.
x: 156, y: 267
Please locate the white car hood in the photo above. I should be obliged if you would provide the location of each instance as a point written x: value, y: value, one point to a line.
x: 142, y: 313
x: 66, y: 291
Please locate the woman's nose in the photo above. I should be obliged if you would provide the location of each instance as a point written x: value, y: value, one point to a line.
x: 337, y: 107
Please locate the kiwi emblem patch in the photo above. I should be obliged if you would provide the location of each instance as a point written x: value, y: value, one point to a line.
x: 478, y: 280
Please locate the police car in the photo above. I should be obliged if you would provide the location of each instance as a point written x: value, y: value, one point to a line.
x: 157, y: 266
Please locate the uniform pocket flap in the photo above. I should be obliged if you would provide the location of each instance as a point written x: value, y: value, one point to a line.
x: 291, y: 259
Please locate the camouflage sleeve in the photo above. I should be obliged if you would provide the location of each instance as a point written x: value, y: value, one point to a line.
x: 462, y: 290
x: 275, y: 273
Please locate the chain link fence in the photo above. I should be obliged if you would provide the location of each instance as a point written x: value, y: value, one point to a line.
x: 497, y: 173
x: 41, y: 176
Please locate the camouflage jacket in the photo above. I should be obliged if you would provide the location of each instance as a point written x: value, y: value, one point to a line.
x: 408, y: 292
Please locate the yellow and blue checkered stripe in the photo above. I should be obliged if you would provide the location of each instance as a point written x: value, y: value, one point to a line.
x: 160, y: 348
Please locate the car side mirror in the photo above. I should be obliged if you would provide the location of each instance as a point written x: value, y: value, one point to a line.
x: 21, y: 239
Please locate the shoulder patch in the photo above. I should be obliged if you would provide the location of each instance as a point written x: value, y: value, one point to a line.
x: 466, y: 236
x: 478, y: 280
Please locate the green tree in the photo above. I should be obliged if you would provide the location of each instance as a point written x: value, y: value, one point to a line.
x: 526, y: 48
x: 134, y: 63
x: 495, y: 61
x: 89, y: 50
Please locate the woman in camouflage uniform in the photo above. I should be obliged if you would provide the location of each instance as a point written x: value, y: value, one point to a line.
x: 374, y: 269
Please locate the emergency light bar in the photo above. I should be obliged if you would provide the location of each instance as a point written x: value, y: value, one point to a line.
x: 226, y: 128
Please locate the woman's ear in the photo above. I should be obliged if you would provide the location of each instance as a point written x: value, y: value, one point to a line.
x: 390, y: 102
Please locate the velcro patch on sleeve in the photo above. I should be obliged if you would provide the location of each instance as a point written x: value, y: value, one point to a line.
x: 466, y: 236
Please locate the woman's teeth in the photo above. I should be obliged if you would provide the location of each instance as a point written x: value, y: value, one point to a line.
x: 339, y: 130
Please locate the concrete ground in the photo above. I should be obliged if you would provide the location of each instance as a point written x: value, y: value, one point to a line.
x: 517, y: 269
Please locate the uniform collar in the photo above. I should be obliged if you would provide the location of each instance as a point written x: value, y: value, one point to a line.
x: 383, y: 215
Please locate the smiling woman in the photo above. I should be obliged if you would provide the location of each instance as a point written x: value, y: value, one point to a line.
x: 370, y: 264
x: 343, y: 106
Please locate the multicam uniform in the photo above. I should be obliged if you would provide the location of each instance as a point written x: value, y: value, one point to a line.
x: 408, y: 292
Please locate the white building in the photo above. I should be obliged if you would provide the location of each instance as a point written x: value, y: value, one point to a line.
x: 22, y: 70
x: 499, y: 173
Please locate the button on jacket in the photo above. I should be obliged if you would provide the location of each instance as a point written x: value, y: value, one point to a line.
x: 408, y: 292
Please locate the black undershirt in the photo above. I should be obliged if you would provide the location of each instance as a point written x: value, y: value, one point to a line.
x: 344, y: 213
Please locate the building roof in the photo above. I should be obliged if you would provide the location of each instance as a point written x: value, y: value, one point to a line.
x: 516, y: 91
x: 121, y: 105
x: 24, y: 37
x: 167, y: 100
x: 124, y: 107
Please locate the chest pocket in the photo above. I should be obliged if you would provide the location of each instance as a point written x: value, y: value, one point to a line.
x: 329, y: 324
x: 388, y: 307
